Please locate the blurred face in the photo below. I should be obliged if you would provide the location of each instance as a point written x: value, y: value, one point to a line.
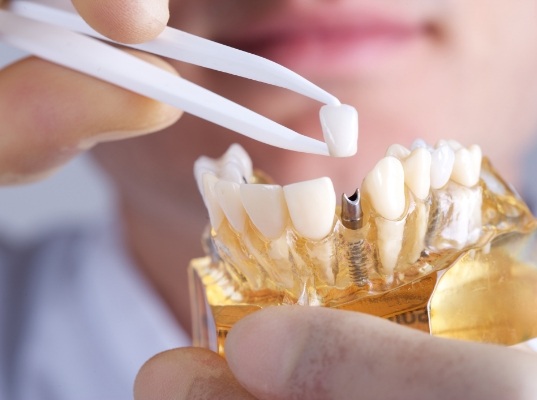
x: 459, y: 69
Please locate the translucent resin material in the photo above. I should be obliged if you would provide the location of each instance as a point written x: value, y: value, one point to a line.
x: 461, y: 263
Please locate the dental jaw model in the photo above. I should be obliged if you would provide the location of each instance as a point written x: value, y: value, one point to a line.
x: 434, y: 239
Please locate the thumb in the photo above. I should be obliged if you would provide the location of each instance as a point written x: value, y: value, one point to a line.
x: 317, y: 353
x: 49, y: 114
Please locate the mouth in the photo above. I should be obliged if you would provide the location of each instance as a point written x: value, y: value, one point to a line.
x: 331, y: 39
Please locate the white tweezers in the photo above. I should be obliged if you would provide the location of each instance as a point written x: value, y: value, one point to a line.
x: 58, y: 35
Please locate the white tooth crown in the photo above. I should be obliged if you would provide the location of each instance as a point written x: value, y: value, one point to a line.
x: 265, y: 205
x: 417, y: 167
x: 467, y: 166
x: 385, y: 185
x: 229, y: 197
x: 238, y: 155
x: 398, y: 151
x: 216, y: 215
x: 442, y: 159
x: 340, y: 129
x: 312, y: 206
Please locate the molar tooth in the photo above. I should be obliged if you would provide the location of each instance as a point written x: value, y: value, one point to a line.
x: 203, y: 165
x: 420, y: 144
x: 398, y: 151
x: 385, y: 184
x: 454, y: 144
x: 216, y: 215
x: 442, y: 160
x: 232, y: 171
x: 265, y: 205
x: 466, y: 168
x: 340, y: 129
x: 477, y: 157
x: 229, y: 198
x: 312, y: 205
x: 237, y: 154
x: 417, y: 169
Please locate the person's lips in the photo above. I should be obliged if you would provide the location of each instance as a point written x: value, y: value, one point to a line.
x: 340, y: 41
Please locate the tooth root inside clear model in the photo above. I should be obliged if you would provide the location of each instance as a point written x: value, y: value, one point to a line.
x: 415, y: 207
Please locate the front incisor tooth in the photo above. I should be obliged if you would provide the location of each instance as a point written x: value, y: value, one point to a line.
x: 385, y: 185
x: 265, y: 205
x: 466, y: 168
x: 312, y: 206
x: 340, y: 129
x: 442, y: 159
x: 216, y: 215
x: 229, y: 198
x: 417, y: 169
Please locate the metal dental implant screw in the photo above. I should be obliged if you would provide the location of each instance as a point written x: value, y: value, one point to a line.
x: 351, y: 211
x: 352, y: 218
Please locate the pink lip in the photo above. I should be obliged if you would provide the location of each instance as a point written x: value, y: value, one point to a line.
x: 328, y: 41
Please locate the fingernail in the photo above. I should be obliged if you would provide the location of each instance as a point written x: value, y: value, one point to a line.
x: 262, y: 350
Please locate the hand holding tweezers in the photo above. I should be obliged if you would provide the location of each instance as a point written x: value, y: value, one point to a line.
x: 51, y: 33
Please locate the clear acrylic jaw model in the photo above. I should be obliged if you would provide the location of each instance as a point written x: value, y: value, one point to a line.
x: 460, y: 261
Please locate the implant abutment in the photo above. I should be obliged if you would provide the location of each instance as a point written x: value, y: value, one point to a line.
x: 351, y: 211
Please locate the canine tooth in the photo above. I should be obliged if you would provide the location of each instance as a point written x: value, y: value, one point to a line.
x: 442, y: 160
x: 417, y: 169
x: 311, y: 205
x: 465, y: 169
x: 265, y: 205
x: 229, y: 198
x: 216, y: 215
x: 385, y: 184
x: 398, y: 151
x: 340, y: 129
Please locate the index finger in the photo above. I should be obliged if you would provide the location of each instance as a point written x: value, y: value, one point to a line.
x: 125, y: 21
